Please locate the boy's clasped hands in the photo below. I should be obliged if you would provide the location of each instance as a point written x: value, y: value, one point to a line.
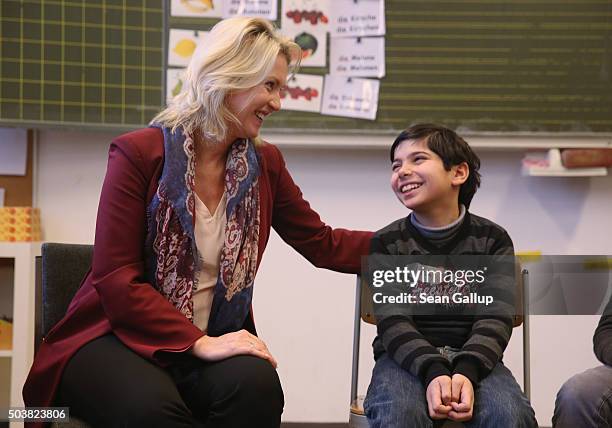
x: 450, y: 398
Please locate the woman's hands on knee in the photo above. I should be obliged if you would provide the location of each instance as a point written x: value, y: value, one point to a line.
x: 228, y: 345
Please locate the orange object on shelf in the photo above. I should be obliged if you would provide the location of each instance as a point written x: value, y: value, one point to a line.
x: 19, y: 224
x: 6, y: 335
x: 581, y: 158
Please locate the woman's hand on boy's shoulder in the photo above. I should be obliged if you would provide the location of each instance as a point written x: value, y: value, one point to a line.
x: 462, y: 398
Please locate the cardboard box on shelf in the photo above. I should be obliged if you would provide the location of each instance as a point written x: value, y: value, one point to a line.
x: 583, y: 158
x: 6, y: 335
x: 19, y: 224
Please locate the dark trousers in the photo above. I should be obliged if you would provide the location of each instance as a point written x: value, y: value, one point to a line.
x: 108, y: 385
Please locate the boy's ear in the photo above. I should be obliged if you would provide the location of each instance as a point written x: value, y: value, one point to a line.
x: 460, y: 173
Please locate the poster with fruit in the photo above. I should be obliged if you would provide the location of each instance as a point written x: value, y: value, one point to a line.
x: 174, y: 82
x: 313, y: 42
x: 357, y: 18
x: 303, y: 93
x: 305, y: 14
x: 357, y: 56
x: 182, y: 44
x: 350, y: 97
x: 197, y: 8
x: 261, y: 8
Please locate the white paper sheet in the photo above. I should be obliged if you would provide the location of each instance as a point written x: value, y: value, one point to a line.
x: 304, y: 93
x: 197, y: 8
x: 358, y: 56
x: 13, y: 151
x: 174, y: 82
x: 305, y: 14
x: 1, y: 197
x: 313, y: 42
x: 351, y: 18
x: 350, y: 97
x: 262, y: 8
x: 182, y: 44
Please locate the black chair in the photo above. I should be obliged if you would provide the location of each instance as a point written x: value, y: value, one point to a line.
x: 59, y: 272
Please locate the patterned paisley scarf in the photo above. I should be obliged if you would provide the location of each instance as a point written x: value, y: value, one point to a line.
x: 171, y: 253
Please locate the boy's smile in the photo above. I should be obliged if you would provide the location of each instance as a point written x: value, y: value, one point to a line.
x: 421, y: 183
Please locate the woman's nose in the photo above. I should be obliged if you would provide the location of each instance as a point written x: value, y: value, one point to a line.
x: 275, y: 102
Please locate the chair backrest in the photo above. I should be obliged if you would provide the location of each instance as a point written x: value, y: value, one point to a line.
x: 59, y: 273
x: 367, y: 309
x: 519, y: 307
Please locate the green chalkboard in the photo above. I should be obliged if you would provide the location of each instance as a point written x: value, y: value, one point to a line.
x: 477, y: 65
x: 80, y: 63
x: 493, y: 66
x: 485, y: 66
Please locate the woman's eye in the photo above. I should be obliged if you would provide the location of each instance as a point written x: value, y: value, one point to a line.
x: 269, y: 86
x: 395, y: 167
x: 419, y: 158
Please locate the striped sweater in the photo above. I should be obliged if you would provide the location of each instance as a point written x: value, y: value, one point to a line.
x: 412, y: 340
x: 602, y: 340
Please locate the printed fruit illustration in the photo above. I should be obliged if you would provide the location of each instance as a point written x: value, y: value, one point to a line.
x: 185, y: 48
x: 311, y: 16
x: 177, y: 88
x: 198, y: 5
x: 308, y: 43
x: 297, y: 92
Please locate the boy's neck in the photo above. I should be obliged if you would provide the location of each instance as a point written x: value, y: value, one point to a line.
x: 438, y: 216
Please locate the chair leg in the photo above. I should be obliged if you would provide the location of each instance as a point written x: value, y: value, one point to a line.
x: 358, y: 421
x: 356, y: 341
x: 526, y: 339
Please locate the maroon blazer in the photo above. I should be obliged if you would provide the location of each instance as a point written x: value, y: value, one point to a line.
x: 114, y: 296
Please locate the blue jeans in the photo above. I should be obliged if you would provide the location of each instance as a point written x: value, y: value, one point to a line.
x: 396, y: 399
x: 585, y: 400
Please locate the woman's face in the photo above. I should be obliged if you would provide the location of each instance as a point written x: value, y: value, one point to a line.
x: 253, y: 105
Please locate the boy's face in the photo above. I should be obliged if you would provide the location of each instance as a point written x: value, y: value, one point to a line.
x: 419, y: 180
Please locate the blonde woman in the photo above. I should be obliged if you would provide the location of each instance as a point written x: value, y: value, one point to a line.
x: 161, y: 333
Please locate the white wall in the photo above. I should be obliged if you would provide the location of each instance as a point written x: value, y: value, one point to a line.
x: 305, y: 314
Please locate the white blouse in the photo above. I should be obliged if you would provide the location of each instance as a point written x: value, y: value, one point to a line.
x: 209, y: 237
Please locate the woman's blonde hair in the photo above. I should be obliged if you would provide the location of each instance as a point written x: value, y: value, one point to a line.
x: 237, y: 55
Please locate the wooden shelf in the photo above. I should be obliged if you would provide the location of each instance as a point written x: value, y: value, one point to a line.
x: 549, y: 164
x: 23, y: 255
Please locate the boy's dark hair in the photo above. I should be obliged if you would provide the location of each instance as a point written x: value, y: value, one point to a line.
x: 451, y: 148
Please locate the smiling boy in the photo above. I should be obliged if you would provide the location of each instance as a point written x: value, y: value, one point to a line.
x: 444, y: 366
